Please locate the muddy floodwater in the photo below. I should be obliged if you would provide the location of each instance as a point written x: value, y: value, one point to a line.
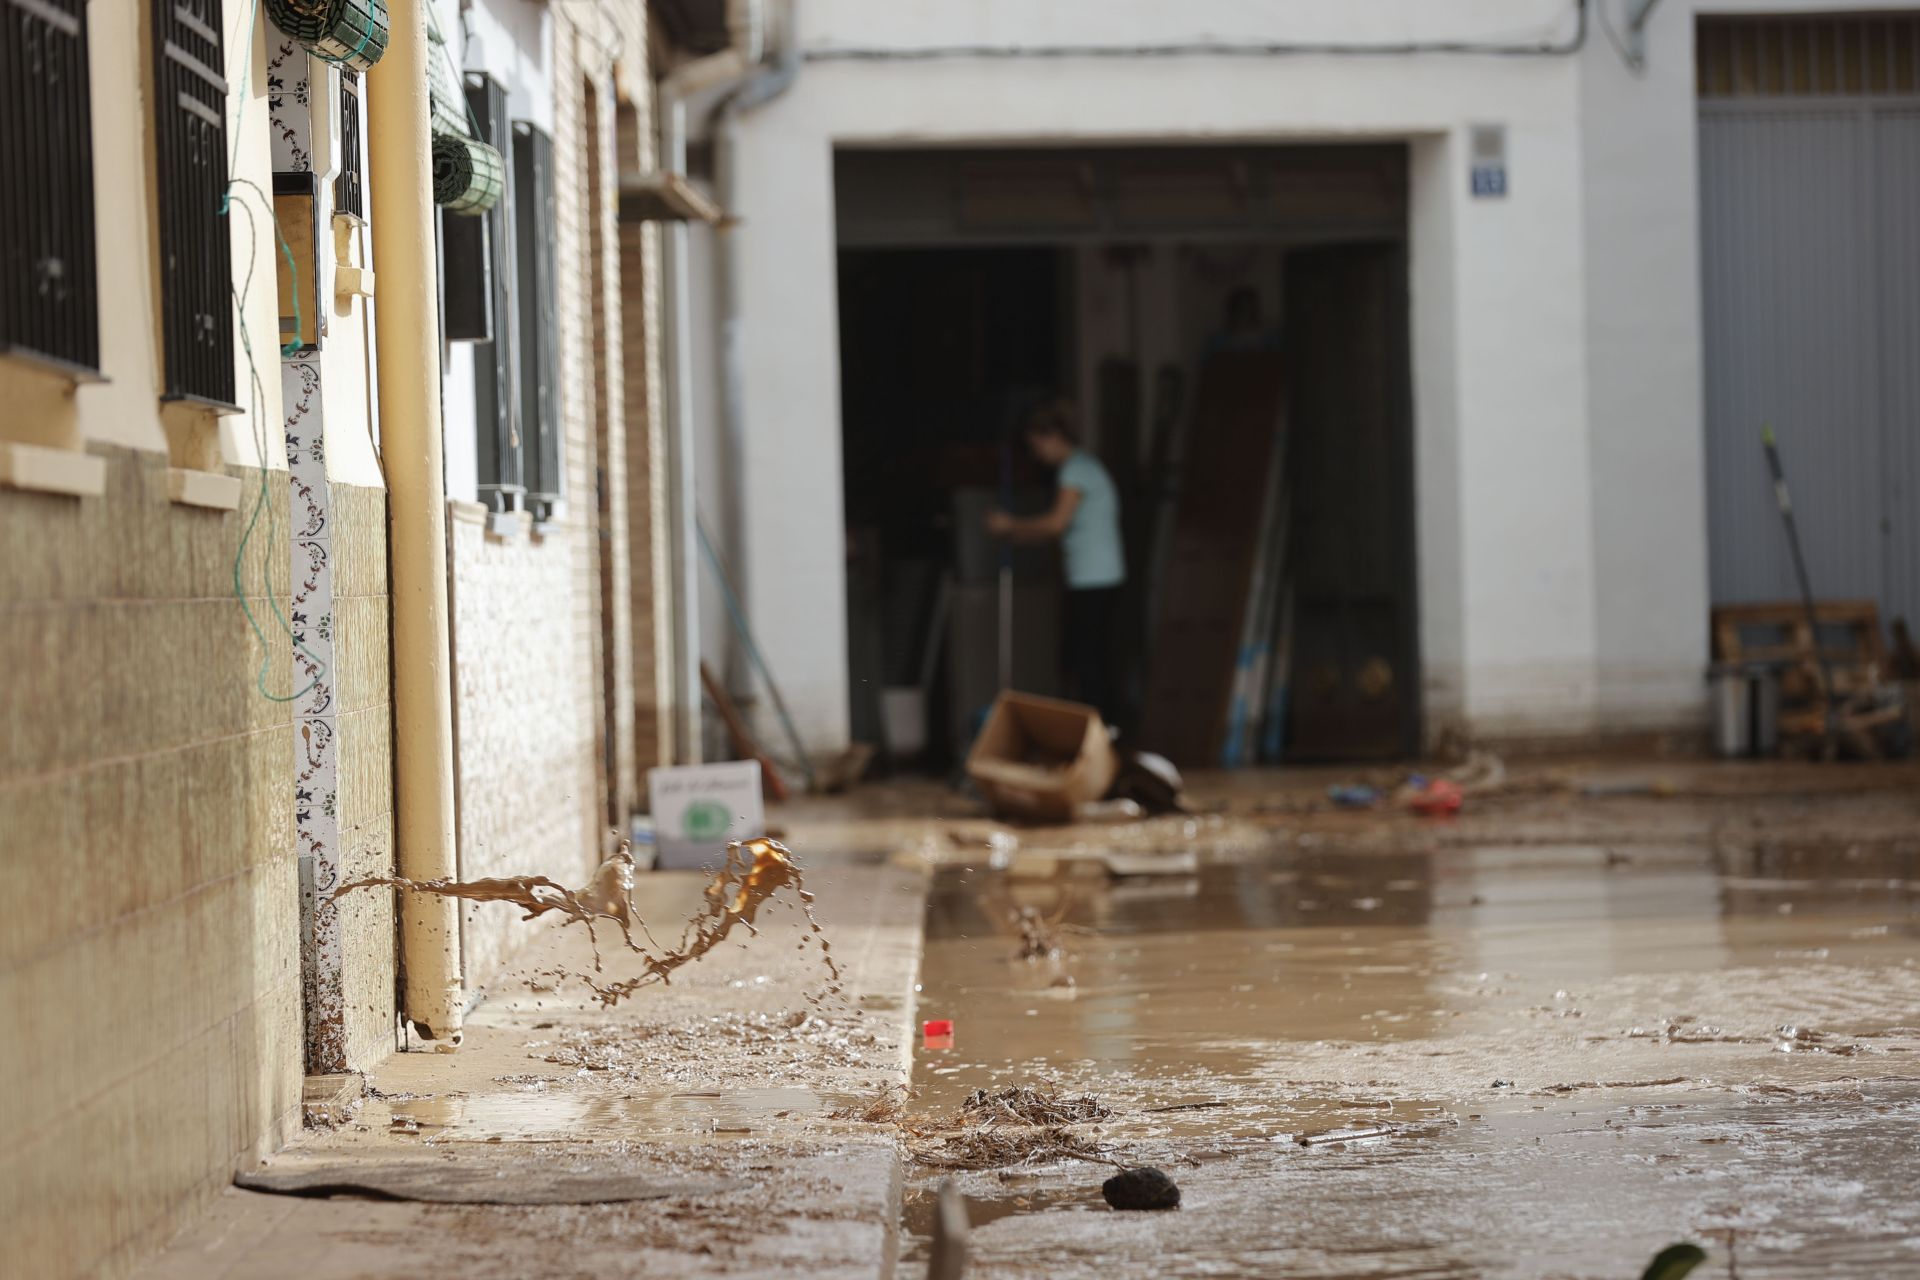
x: 1538, y: 1061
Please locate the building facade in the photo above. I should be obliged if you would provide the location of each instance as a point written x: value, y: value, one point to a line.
x: 1576, y: 451
x: 214, y: 685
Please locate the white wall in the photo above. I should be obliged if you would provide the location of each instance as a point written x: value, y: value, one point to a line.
x: 1559, y: 458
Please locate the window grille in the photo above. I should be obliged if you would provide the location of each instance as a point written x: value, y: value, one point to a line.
x: 479, y: 275
x: 350, y: 188
x: 190, y: 153
x: 539, y: 318
x: 1850, y: 54
x: 49, y: 303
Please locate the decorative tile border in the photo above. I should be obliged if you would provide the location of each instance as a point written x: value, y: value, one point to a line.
x: 316, y: 764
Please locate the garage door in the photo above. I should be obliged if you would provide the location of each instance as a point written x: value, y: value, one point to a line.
x: 1810, y: 235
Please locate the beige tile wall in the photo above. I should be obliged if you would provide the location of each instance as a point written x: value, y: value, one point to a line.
x: 364, y: 796
x: 149, y: 914
x: 524, y: 711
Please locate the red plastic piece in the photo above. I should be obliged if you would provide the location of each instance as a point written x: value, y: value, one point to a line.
x: 937, y: 1027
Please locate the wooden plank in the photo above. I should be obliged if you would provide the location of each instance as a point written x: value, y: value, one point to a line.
x: 1238, y: 418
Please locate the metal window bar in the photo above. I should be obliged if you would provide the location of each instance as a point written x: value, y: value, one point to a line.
x: 539, y: 315
x: 190, y: 151
x: 49, y: 299
x: 1799, y: 56
x: 350, y: 188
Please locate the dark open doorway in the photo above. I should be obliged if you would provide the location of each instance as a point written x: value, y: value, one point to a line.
x: 1232, y: 324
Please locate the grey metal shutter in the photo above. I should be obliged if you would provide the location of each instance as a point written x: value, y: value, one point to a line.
x: 539, y: 336
x: 1810, y: 249
x: 479, y: 248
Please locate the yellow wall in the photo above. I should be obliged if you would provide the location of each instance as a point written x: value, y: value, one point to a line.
x: 149, y: 892
x: 149, y: 889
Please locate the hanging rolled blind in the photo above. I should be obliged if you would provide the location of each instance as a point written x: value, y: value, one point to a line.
x: 352, y: 33
x: 468, y: 175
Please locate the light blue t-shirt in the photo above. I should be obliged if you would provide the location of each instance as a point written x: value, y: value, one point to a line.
x: 1092, y: 540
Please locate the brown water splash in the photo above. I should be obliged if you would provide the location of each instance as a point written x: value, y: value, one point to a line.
x: 755, y: 871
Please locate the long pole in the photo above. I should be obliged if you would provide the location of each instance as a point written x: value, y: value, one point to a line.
x: 1806, y: 584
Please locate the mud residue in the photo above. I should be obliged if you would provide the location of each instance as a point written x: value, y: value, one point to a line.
x: 755, y: 871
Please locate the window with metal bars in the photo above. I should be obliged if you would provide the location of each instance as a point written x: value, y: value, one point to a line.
x: 190, y: 154
x: 539, y: 336
x: 350, y: 188
x: 477, y: 282
x: 49, y: 303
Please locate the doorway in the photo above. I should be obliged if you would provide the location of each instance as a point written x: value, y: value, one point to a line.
x: 1231, y: 326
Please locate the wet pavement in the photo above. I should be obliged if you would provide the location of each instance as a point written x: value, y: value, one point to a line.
x: 1544, y: 1060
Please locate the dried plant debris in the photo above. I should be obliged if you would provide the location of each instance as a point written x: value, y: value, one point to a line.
x: 886, y: 1107
x: 1022, y: 1104
x: 1000, y: 1148
x: 1012, y: 1126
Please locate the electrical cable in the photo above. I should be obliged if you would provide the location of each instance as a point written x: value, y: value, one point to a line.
x: 262, y: 500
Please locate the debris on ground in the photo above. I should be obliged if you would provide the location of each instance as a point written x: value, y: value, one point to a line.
x: 968, y: 1149
x: 1355, y: 795
x: 1151, y: 782
x: 1142, y: 1188
x: 1674, y: 1262
x: 937, y: 1033
x: 1021, y: 1104
x: 1433, y: 797
x: 885, y: 1107
x: 1330, y: 1137
x: 1016, y: 1125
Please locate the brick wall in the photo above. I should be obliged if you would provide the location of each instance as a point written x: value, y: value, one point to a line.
x: 149, y: 895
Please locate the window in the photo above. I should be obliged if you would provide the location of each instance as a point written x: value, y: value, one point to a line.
x: 350, y: 188
x: 478, y: 277
x: 49, y: 305
x: 190, y: 153
x: 538, y: 338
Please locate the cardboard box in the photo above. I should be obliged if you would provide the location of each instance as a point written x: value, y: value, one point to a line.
x: 1038, y: 759
x: 698, y: 809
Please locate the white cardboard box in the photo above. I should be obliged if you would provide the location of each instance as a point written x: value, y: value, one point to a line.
x: 699, y: 808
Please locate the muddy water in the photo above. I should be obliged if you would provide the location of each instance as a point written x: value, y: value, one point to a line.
x: 1482, y: 1062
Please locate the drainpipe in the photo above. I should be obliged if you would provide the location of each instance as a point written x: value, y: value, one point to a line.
x: 723, y: 71
x: 763, y: 87
x: 408, y: 339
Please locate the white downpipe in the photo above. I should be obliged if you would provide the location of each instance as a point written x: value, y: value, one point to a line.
x: 721, y: 72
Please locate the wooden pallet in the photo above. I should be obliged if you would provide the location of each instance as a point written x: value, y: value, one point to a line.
x: 1779, y: 635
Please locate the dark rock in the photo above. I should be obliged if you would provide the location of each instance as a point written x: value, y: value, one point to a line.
x: 1143, y: 1188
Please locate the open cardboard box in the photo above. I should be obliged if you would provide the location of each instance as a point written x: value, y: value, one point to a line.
x: 1038, y: 759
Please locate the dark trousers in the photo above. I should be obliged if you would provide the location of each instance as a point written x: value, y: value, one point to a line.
x: 1088, y: 645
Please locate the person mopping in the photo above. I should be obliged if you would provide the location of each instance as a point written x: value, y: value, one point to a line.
x: 1085, y: 518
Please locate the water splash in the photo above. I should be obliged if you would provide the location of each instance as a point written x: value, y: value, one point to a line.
x: 755, y: 871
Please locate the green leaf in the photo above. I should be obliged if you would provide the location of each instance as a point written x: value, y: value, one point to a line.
x: 1674, y: 1261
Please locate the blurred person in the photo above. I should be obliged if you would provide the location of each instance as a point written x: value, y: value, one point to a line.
x: 1085, y: 519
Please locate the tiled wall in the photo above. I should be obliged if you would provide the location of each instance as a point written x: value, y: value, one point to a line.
x: 525, y: 706
x: 149, y: 963
x: 527, y: 606
x: 363, y: 661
